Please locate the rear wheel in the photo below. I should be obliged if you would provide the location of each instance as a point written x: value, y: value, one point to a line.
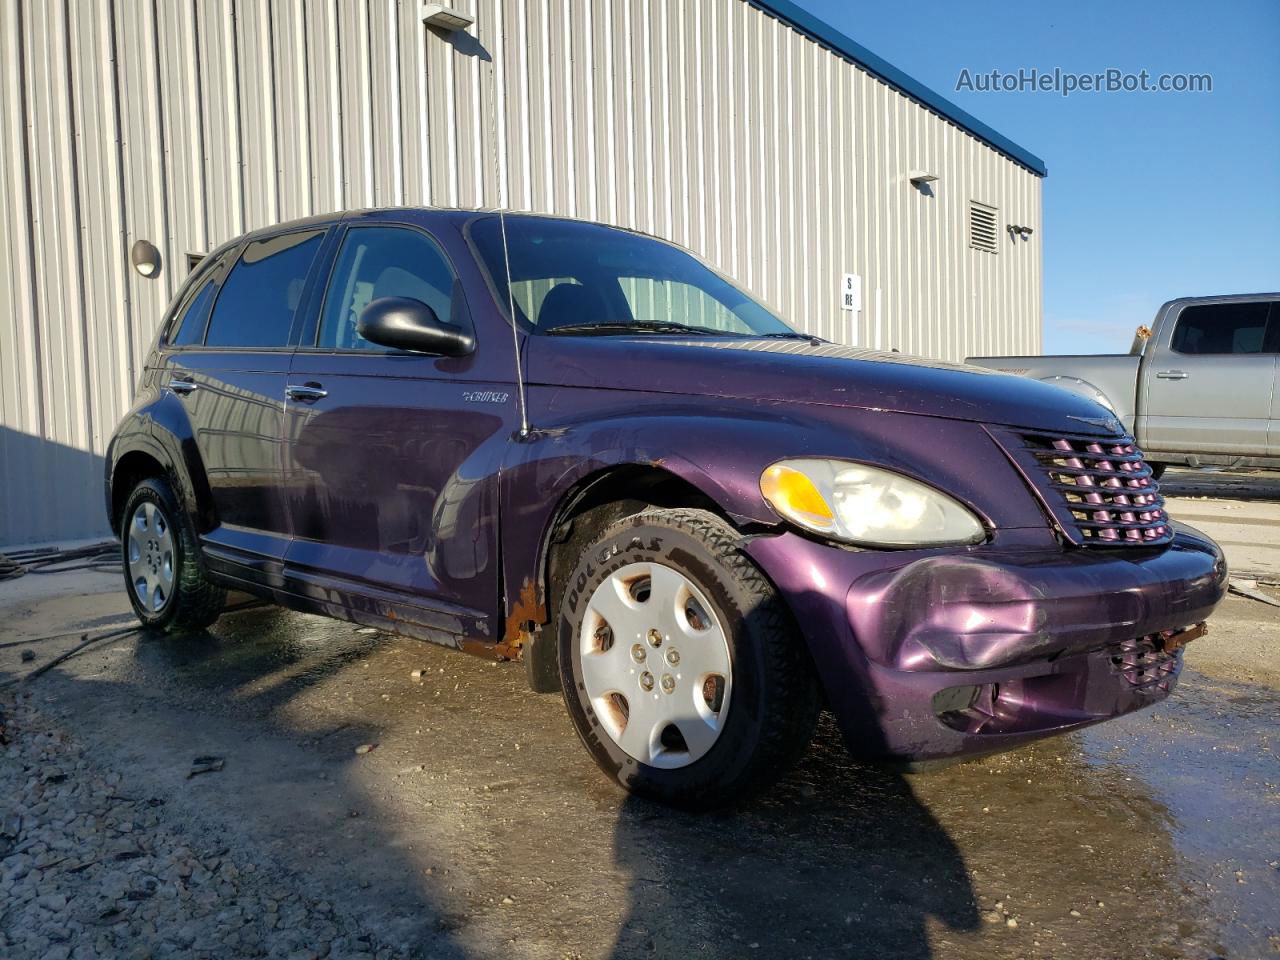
x: 163, y: 572
x: 1157, y: 469
x: 681, y: 667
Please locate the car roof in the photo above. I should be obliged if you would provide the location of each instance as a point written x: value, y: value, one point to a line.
x: 456, y: 215
x: 391, y: 212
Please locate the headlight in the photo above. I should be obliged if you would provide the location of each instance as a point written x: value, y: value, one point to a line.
x: 866, y: 505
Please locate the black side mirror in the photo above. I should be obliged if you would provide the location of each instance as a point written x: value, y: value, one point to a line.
x: 405, y: 324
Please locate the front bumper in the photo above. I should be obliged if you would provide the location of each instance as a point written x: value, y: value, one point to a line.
x: 927, y: 655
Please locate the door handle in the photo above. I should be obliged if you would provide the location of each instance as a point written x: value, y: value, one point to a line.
x: 305, y: 393
x: 182, y: 385
x: 1172, y: 374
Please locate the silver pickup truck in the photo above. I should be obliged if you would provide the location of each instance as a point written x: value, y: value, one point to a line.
x: 1198, y: 387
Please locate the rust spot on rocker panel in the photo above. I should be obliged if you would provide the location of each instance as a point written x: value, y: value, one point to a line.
x: 485, y: 650
x: 528, y: 608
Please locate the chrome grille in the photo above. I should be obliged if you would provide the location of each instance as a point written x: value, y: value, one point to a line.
x: 1099, y: 489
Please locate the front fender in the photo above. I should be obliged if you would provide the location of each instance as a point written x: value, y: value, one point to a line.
x: 720, y: 447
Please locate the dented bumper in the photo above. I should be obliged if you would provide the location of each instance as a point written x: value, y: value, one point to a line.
x: 927, y: 655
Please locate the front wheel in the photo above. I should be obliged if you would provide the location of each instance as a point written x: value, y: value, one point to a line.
x: 682, y: 669
x: 163, y: 572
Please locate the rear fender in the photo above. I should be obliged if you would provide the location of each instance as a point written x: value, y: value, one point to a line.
x: 160, y: 428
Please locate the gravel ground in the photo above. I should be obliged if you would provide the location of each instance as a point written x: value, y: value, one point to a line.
x: 92, y: 868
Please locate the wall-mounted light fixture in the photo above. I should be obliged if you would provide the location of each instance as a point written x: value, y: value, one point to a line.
x: 446, y: 18
x: 145, y: 259
x: 919, y: 178
x: 1016, y: 231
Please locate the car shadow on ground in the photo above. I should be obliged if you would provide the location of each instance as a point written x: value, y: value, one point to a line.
x: 288, y: 801
x: 731, y: 884
x: 736, y: 883
x: 743, y: 881
x: 708, y: 885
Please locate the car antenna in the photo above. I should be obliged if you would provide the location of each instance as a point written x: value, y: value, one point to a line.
x: 515, y: 334
x: 503, y: 200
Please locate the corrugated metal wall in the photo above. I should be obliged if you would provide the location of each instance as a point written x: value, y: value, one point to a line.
x: 186, y: 122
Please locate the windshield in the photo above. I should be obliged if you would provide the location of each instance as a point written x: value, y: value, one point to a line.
x: 576, y: 278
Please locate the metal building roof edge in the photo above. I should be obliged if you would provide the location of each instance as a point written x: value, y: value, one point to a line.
x: 827, y: 35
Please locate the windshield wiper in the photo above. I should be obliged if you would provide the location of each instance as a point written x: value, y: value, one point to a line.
x: 785, y: 335
x: 606, y: 329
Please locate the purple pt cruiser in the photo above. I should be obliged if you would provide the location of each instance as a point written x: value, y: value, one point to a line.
x: 562, y: 443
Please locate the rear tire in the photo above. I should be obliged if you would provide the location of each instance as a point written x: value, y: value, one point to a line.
x: 735, y: 707
x: 163, y: 571
x: 1157, y: 469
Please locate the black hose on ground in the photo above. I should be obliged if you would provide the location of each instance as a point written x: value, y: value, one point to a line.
x: 96, y: 556
x: 10, y: 569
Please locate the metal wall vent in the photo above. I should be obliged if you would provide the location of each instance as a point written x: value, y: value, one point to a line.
x: 982, y: 227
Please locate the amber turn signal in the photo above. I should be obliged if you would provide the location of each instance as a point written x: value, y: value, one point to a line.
x: 793, y: 495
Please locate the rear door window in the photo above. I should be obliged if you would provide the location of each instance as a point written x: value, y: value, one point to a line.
x: 258, y: 299
x: 377, y: 262
x: 1221, y: 328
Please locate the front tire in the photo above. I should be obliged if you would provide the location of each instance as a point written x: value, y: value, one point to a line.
x: 682, y: 669
x: 163, y: 571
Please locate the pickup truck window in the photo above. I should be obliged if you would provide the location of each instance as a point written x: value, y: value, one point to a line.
x: 1222, y: 328
x: 569, y: 276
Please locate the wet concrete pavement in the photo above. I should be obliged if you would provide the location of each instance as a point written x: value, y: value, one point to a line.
x: 1159, y: 830
x: 478, y: 827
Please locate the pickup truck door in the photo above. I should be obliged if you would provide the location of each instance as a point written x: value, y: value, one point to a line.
x: 391, y: 458
x: 1209, y: 380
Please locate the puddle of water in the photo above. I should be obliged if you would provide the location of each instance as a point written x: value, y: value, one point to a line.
x: 1208, y: 756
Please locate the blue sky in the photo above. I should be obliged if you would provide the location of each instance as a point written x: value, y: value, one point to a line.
x: 1149, y: 195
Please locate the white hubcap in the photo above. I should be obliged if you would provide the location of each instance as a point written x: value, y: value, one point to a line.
x: 151, y: 557
x: 655, y: 664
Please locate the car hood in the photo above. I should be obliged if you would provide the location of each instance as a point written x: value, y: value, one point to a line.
x: 802, y: 371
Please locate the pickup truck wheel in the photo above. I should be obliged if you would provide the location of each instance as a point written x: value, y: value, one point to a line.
x: 163, y: 572
x: 1157, y: 469
x: 681, y: 667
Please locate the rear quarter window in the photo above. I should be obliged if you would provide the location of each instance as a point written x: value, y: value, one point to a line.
x: 195, y: 314
x: 258, y: 299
